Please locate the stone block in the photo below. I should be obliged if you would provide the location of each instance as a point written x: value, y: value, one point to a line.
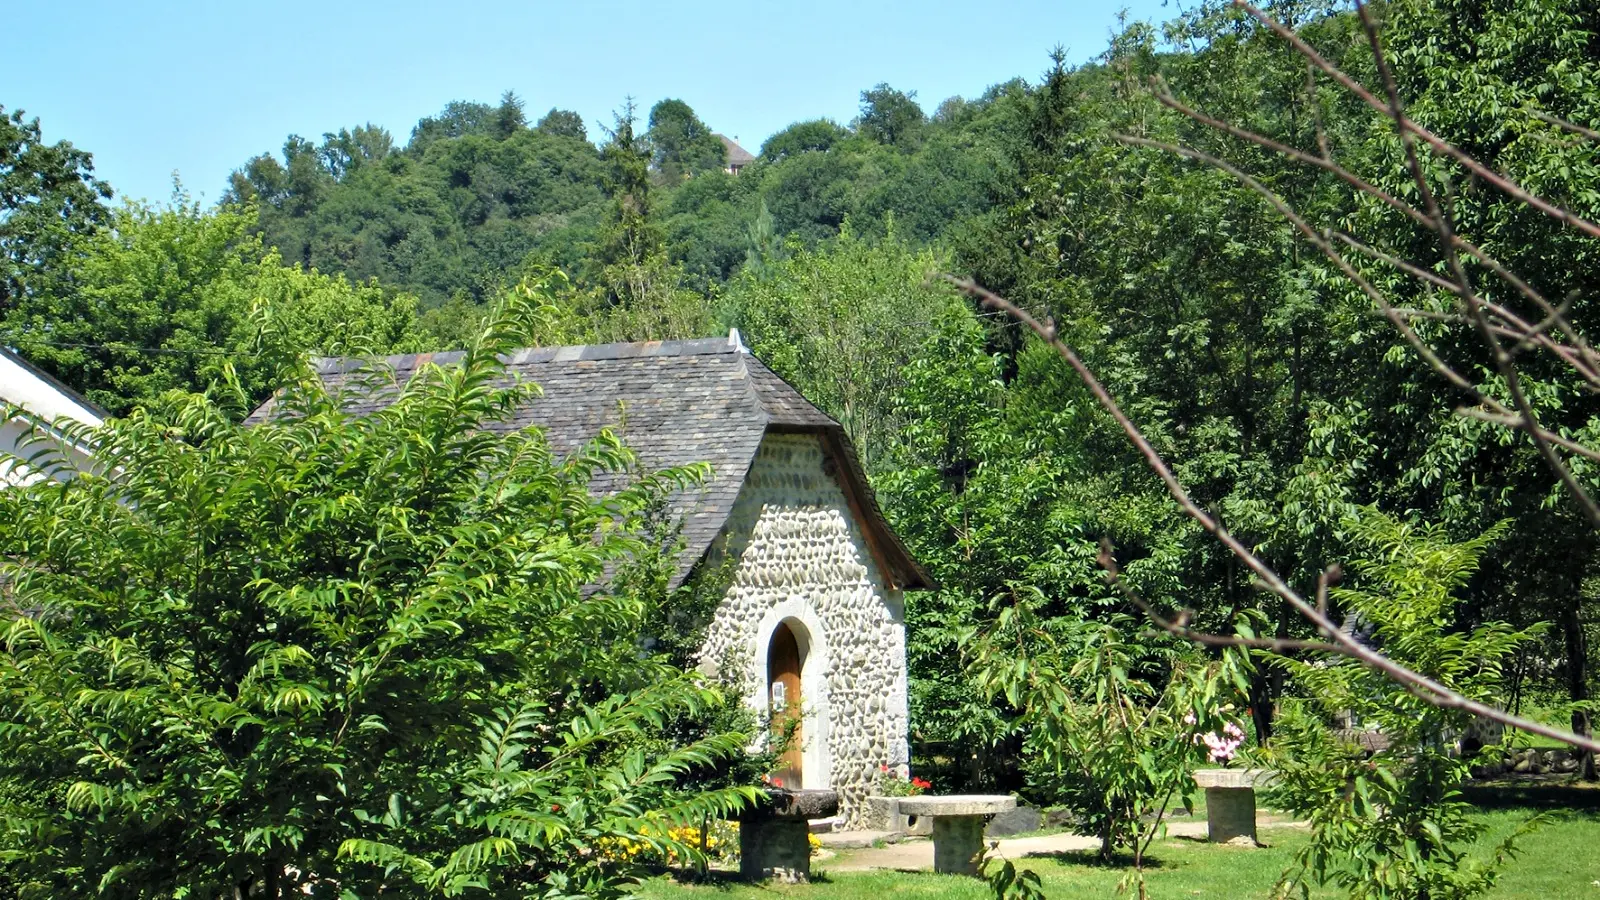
x: 1231, y: 815
x: 1231, y: 778
x: 957, y: 805
x: 957, y: 844
x: 1060, y: 817
x: 774, y: 849
x: 1021, y: 820
x: 1231, y: 804
x: 883, y: 814
x: 812, y: 804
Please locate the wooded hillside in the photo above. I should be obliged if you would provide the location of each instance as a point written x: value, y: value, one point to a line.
x: 1290, y: 411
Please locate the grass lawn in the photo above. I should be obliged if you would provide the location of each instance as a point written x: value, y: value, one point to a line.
x: 1562, y: 860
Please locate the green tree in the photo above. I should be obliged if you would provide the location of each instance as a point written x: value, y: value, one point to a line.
x: 631, y: 234
x: 681, y: 145
x: 1394, y: 825
x: 1495, y: 88
x: 49, y: 201
x: 1115, y: 748
x: 337, y: 653
x: 763, y: 251
x: 1196, y: 307
x: 508, y: 116
x: 891, y: 117
x: 706, y: 218
x: 977, y: 453
x: 458, y: 119
x: 177, y: 298
x: 841, y: 323
x: 817, y: 135
x: 563, y: 123
x: 351, y: 149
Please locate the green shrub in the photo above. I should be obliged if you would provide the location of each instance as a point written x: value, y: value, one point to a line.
x: 1392, y: 824
x: 342, y: 656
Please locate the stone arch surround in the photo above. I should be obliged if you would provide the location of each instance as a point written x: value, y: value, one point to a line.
x: 803, y: 621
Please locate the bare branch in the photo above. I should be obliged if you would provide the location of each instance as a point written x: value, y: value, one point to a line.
x: 1505, y: 185
x: 1467, y: 293
x: 1321, y: 243
x: 1326, y: 163
x: 1433, y: 215
x: 1512, y: 421
x: 1330, y: 576
x: 1344, y: 644
x: 1179, y: 627
x: 1564, y: 125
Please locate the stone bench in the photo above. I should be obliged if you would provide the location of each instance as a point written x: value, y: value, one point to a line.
x: 883, y: 814
x: 957, y: 826
x: 1231, y: 803
x: 774, y: 835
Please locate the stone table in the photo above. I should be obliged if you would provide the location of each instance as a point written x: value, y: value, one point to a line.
x: 957, y: 826
x: 774, y: 837
x: 1231, y: 803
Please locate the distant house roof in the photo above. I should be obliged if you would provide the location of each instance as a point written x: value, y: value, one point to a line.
x: 674, y: 403
x: 737, y: 155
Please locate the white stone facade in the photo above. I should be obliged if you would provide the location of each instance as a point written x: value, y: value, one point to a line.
x: 802, y: 560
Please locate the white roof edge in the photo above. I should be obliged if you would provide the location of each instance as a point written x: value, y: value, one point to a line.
x: 24, y: 387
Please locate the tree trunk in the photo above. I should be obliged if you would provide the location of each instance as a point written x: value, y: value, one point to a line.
x: 1261, y: 703
x: 1578, y: 678
x: 1266, y: 686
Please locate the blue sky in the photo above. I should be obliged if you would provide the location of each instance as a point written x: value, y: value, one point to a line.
x: 198, y: 88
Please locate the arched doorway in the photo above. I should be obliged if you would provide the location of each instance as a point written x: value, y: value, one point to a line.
x: 784, y: 663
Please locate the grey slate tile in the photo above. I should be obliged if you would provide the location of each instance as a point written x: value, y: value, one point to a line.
x: 674, y: 403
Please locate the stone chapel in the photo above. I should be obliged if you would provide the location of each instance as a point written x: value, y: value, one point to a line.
x: 812, y: 623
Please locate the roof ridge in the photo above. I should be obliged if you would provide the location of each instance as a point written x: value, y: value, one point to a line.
x: 327, y: 365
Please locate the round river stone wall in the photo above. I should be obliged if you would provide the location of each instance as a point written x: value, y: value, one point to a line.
x: 801, y: 560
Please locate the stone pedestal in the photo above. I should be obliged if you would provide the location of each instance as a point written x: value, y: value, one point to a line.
x: 957, y: 827
x: 774, y: 837
x: 1230, y: 804
x: 774, y: 850
x: 958, y: 843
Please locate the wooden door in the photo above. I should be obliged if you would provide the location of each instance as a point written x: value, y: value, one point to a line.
x: 783, y: 702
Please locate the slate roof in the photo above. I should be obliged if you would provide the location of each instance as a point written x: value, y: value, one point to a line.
x: 674, y: 403
x: 737, y: 155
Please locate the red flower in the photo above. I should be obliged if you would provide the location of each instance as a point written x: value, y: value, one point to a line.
x: 555, y: 807
x: 777, y: 782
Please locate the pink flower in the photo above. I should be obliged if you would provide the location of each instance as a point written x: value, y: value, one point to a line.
x: 1223, y: 747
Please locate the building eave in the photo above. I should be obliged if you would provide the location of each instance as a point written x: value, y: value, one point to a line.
x: 888, y: 551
